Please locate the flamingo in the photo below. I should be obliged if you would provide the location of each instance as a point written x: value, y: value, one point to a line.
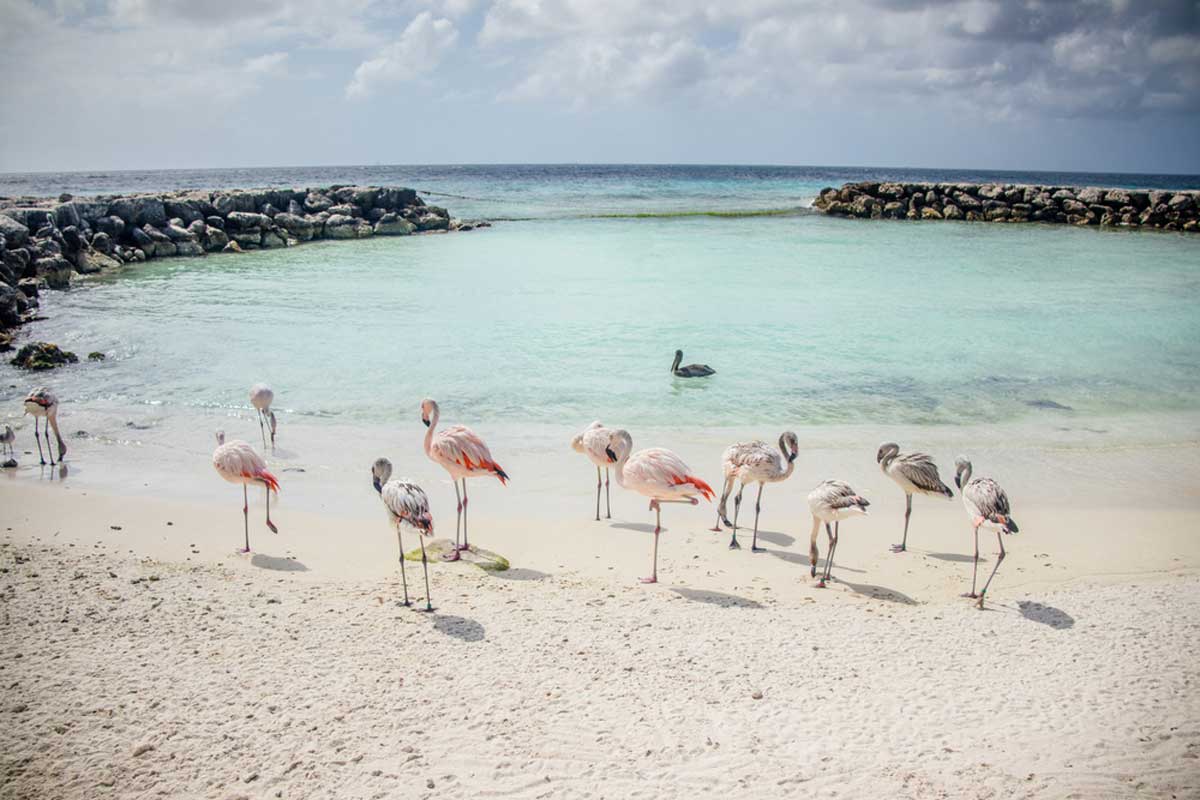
x: 915, y: 473
x: 593, y: 442
x: 7, y: 437
x: 987, y: 506
x: 261, y: 398
x: 237, y: 462
x: 831, y: 501
x: 461, y: 452
x: 752, y: 462
x: 408, y: 505
x: 691, y: 370
x: 41, y: 402
x: 658, y: 474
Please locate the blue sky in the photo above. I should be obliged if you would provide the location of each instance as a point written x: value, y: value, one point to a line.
x: 1102, y: 85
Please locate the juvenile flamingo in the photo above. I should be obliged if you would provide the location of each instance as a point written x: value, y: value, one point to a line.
x: 754, y: 462
x: 261, y: 397
x: 593, y: 442
x: 831, y: 501
x: 915, y: 473
x: 408, y: 505
x: 461, y: 452
x: 237, y: 462
x: 7, y: 437
x: 41, y: 402
x: 987, y: 506
x: 658, y: 474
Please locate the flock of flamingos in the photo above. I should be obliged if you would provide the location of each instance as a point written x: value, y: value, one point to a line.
x: 654, y: 472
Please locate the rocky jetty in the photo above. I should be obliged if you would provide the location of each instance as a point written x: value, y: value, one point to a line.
x: 44, y: 241
x: 1014, y: 203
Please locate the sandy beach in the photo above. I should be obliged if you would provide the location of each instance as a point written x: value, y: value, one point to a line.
x: 142, y: 656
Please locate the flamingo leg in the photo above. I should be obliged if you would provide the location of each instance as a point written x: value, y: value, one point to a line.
x: 737, y: 507
x: 262, y: 428
x: 599, y: 482
x: 403, y: 577
x: 46, y: 433
x: 999, y: 558
x: 246, y: 517
x: 453, y: 554
x: 975, y: 570
x: 754, y: 548
x: 270, y: 524
x: 657, y: 529
x: 721, y: 505
x: 465, y: 545
x: 812, y: 547
x: 41, y: 457
x: 833, y: 543
x: 425, y: 567
x: 900, y: 548
x: 607, y: 497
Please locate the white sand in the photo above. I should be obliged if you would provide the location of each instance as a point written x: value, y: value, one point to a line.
x: 293, y: 673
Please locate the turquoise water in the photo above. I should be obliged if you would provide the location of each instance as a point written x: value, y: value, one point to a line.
x: 565, y: 315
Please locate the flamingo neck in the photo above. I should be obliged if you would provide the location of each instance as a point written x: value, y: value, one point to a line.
x: 433, y: 421
x: 621, y: 470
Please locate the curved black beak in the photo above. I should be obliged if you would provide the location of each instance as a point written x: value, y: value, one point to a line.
x: 611, y: 455
x: 958, y: 480
x: 425, y: 421
x: 375, y: 483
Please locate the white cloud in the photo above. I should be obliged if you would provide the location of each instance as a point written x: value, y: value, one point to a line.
x: 267, y: 64
x: 418, y: 50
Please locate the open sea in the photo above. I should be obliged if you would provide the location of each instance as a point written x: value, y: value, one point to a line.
x: 570, y: 307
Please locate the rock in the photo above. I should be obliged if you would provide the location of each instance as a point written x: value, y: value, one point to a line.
x: 215, y: 222
x: 232, y: 247
x: 893, y: 190
x: 1090, y: 196
x: 1063, y: 194
x: 990, y: 191
x: 1074, y: 207
x: 67, y: 215
x: 315, y: 202
x: 114, y: 227
x: 269, y: 210
x: 431, y: 220
x: 90, y: 261
x: 15, y: 233
x: 10, y: 311
x: 392, y: 224
x: 149, y: 211
x: 215, y: 239
x: 248, y: 238
x: 296, y: 225
x: 893, y: 210
x: 54, y: 271
x: 189, y: 248
x: 241, y: 220
x: 1181, y: 203
x: 966, y: 201
x: 43, y: 356
x: 102, y: 243
x: 96, y: 355
x: 198, y: 229
x: 1156, y: 199
x: 1117, y: 198
x: 273, y: 238
x: 28, y: 286
x: 929, y: 212
x: 186, y: 210
x: 346, y: 210
x: 339, y: 226
x: 177, y: 234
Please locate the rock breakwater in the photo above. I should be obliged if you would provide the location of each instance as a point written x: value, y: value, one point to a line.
x: 46, y: 241
x: 1015, y: 203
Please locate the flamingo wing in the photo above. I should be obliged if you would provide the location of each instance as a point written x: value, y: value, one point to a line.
x: 408, y: 503
x: 659, y: 469
x: 462, y: 446
x: 237, y: 462
x: 920, y: 471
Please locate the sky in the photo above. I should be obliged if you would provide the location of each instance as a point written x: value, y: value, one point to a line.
x: 1089, y: 85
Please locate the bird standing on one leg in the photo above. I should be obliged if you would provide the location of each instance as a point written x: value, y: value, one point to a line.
x: 831, y: 501
x: 754, y: 462
x: 593, y: 442
x: 237, y: 462
x: 987, y: 506
x: 462, y: 453
x: 915, y: 473
x: 408, y: 505
x: 42, y: 404
x: 658, y: 474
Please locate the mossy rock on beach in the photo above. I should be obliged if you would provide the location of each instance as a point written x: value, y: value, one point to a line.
x: 96, y: 355
x: 43, y: 355
x: 486, y: 560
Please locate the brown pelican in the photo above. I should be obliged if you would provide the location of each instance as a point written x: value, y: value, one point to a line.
x: 691, y: 370
x: 754, y: 462
x: 831, y: 501
x: 987, y: 506
x: 915, y: 473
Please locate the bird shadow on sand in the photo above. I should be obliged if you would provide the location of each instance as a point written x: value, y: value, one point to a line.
x: 277, y: 563
x: 877, y: 592
x: 802, y: 560
x: 775, y: 537
x: 1047, y: 615
x: 957, y: 557
x: 635, y: 526
x: 716, y: 598
x: 520, y: 574
x: 462, y: 628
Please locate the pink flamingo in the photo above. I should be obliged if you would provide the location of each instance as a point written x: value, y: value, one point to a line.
x: 237, y: 462
x: 261, y: 398
x: 592, y: 443
x: 658, y: 474
x: 461, y: 452
x: 42, y: 403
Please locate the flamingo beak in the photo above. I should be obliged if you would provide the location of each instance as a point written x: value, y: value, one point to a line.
x: 611, y: 455
x: 375, y: 483
x: 958, y: 480
x: 426, y: 421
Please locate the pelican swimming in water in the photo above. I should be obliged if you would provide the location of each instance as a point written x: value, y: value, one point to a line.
x: 754, y: 462
x: 987, y: 506
x: 691, y: 370
x: 831, y: 501
x: 915, y: 473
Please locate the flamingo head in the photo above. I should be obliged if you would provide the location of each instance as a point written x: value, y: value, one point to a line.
x: 962, y: 471
x: 790, y: 445
x: 887, y: 450
x: 429, y: 410
x: 619, y: 446
x: 381, y: 470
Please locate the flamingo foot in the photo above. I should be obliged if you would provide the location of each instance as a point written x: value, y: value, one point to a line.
x: 755, y: 549
x: 243, y: 549
x: 899, y: 548
x: 426, y: 610
x: 734, y: 545
x: 971, y: 595
x: 979, y: 604
x: 821, y: 583
x: 271, y: 525
x: 451, y: 556
x: 715, y: 529
x: 651, y: 579
x: 463, y: 546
